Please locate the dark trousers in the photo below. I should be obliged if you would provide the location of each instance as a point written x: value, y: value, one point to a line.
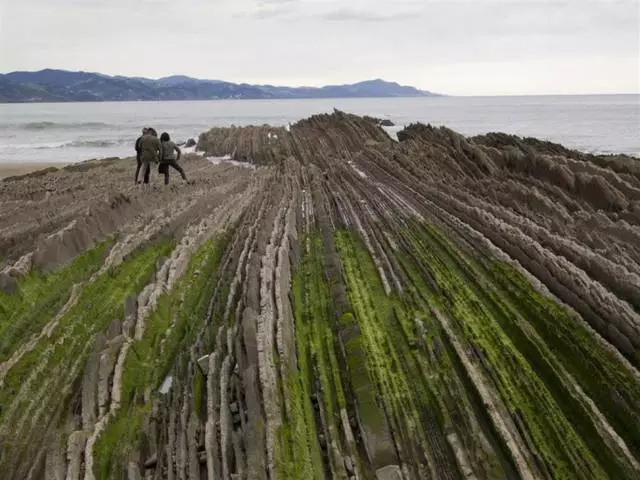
x: 165, y: 169
x: 138, y: 167
x: 147, y: 171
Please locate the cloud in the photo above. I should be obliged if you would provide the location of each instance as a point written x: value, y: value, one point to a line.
x: 265, y: 9
x: 352, y: 15
x: 452, y: 46
x: 264, y: 13
x: 333, y: 11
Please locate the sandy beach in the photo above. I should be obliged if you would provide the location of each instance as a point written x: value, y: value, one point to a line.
x: 13, y: 169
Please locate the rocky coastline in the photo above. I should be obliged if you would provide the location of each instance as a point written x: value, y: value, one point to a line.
x: 334, y: 303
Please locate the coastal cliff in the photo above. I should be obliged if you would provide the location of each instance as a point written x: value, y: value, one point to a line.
x: 335, y: 303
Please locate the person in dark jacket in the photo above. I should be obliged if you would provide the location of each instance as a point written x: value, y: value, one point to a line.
x: 144, y: 131
x: 150, y: 151
x: 170, y: 154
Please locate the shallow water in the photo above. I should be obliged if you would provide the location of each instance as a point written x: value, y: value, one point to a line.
x: 69, y: 132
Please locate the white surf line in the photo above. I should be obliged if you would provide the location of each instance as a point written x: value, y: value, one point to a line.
x: 228, y: 160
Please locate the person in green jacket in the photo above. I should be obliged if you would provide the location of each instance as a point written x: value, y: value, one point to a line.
x: 150, y: 151
x: 137, y: 147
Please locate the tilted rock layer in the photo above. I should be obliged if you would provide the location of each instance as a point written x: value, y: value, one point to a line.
x: 338, y: 305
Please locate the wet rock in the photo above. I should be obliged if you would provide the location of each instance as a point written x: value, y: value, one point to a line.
x: 55, y: 463
x: 378, y: 443
x: 190, y: 143
x: 160, y: 263
x: 236, y: 419
x: 114, y: 329
x: 253, y: 439
x: 203, y: 363
x: 131, y: 307
x: 74, y: 454
x: 353, y: 421
x: 192, y: 435
x: 133, y: 471
x: 105, y: 370
x: 390, y: 472
x: 348, y: 465
x: 249, y: 322
x: 23, y: 266
x: 90, y: 385
x: 8, y: 284
x: 151, y: 462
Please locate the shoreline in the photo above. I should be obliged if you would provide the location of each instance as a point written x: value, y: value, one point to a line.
x: 277, y: 99
x: 16, y: 169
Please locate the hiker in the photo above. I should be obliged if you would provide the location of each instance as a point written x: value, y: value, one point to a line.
x: 169, y: 158
x: 150, y: 151
x: 144, y: 130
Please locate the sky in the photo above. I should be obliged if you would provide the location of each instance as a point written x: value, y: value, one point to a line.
x: 455, y: 47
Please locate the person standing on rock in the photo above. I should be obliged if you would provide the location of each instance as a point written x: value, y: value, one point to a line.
x: 150, y: 152
x: 138, y: 156
x: 170, y: 154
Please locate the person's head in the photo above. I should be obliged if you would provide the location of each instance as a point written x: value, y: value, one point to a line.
x: 165, y: 137
x: 152, y: 131
x: 144, y: 130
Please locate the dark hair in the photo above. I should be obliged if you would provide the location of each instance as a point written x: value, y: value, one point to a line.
x: 165, y: 137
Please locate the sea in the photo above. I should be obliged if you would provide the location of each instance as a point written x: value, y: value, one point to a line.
x: 73, y: 132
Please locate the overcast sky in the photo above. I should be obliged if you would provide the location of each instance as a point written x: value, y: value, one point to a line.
x: 456, y: 47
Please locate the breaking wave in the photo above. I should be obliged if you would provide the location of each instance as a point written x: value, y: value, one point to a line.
x: 83, y: 144
x: 62, y: 126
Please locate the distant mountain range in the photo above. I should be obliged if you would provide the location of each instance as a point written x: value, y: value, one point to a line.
x: 65, y: 86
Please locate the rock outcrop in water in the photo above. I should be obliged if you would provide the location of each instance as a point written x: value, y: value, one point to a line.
x: 342, y: 305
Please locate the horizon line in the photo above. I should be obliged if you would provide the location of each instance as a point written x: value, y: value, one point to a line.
x: 317, y: 86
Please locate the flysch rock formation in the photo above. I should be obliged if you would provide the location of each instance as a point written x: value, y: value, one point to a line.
x: 334, y: 304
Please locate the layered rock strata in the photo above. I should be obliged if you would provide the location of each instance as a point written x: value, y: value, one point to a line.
x: 339, y: 304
